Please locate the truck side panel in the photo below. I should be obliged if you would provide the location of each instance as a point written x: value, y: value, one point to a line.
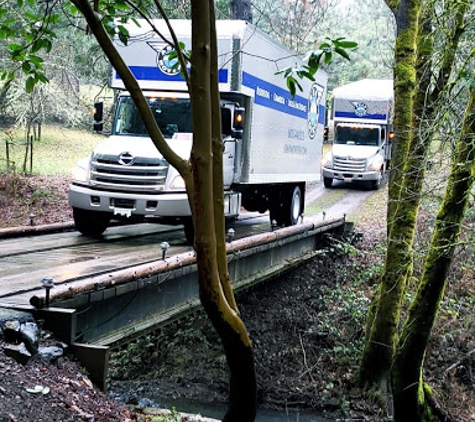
x: 285, y: 134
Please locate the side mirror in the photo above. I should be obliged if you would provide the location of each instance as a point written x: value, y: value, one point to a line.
x: 98, y: 112
x: 225, y: 121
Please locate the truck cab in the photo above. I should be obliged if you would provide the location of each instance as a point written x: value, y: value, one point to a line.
x: 126, y: 176
x: 361, y: 150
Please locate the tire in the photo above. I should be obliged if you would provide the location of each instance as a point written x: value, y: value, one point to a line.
x: 286, y: 206
x: 189, y: 231
x: 91, y: 223
x: 376, y: 184
x: 327, y: 182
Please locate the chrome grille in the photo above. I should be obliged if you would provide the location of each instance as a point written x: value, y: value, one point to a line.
x: 143, y: 174
x: 349, y: 165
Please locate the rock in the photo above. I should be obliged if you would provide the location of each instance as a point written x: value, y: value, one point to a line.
x: 10, y: 323
x: 30, y: 335
x: 50, y: 353
x: 13, y: 315
x: 144, y: 403
x: 11, y: 331
x: 18, y: 352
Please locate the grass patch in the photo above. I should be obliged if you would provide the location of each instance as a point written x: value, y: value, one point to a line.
x: 55, y: 153
x: 372, y: 207
x: 324, y: 202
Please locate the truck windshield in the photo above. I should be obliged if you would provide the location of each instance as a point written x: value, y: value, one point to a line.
x: 172, y: 115
x: 357, y: 135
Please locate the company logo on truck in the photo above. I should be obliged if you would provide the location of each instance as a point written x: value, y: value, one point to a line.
x: 165, y: 65
x: 360, y: 108
x: 316, y: 93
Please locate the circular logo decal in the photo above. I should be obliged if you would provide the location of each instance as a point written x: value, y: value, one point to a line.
x: 166, y: 65
x: 360, y: 109
x: 316, y: 92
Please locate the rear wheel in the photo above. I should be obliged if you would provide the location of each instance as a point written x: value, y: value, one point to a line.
x: 91, y: 223
x: 286, y: 206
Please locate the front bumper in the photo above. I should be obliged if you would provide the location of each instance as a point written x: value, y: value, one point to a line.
x: 126, y: 204
x: 351, y: 177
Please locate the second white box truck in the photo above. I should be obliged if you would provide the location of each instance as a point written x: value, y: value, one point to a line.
x: 362, y: 133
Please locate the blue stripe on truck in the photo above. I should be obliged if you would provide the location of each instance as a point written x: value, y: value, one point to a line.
x: 152, y: 73
x: 352, y: 115
x: 277, y: 98
x: 266, y: 94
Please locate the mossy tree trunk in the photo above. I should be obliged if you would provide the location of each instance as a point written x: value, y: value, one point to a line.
x: 204, y: 182
x: 414, y: 114
x: 405, y: 191
x: 410, y: 396
x: 382, y: 337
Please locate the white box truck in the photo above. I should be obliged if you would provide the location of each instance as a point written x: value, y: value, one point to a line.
x: 362, y: 132
x: 266, y: 165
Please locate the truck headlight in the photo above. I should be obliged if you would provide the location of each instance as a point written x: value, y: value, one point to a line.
x: 178, y: 183
x: 327, y: 160
x: 80, y: 171
x: 376, y: 163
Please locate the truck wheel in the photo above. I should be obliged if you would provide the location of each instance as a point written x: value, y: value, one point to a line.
x: 189, y: 231
x: 376, y: 184
x: 327, y: 182
x: 286, y: 206
x: 90, y: 223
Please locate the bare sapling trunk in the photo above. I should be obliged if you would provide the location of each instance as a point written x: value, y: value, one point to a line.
x: 208, y: 215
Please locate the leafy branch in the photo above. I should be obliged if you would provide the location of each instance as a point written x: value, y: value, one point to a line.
x: 314, y: 59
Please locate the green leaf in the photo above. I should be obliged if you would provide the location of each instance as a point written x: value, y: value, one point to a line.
x: 42, y: 78
x: 123, y: 38
x: 19, y: 3
x: 26, y: 68
x: 15, y: 47
x: 30, y: 84
x: 47, y: 45
x: 348, y: 44
x: 37, y: 45
x: 342, y: 53
x: 37, y: 61
x: 291, y: 82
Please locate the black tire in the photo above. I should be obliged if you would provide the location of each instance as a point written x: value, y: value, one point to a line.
x: 286, y: 206
x: 189, y: 231
x: 376, y: 184
x: 327, y: 182
x: 91, y: 223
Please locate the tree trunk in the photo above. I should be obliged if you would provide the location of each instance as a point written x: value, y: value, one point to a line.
x: 380, y: 344
x: 409, y: 395
x: 204, y: 184
x: 215, y: 292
